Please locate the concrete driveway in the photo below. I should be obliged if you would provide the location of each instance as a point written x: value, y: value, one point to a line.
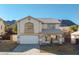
x: 29, y: 49
x: 25, y: 47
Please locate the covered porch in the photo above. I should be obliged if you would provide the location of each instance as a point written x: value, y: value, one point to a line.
x: 51, y: 36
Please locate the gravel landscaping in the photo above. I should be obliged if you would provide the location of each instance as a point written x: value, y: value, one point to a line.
x: 7, y: 45
x: 65, y: 49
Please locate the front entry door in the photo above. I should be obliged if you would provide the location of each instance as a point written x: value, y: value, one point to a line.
x: 29, y: 28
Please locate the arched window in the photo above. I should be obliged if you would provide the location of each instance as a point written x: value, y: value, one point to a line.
x: 29, y: 28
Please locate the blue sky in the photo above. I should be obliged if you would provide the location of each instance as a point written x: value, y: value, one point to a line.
x: 59, y: 11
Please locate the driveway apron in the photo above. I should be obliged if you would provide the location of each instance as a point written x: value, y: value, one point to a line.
x: 25, y: 47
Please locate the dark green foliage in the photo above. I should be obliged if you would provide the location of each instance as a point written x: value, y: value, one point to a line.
x: 74, y: 27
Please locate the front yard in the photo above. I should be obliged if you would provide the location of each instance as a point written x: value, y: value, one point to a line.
x: 65, y: 49
x: 7, y: 45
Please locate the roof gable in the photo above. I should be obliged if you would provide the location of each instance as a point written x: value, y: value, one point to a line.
x: 29, y: 17
x: 42, y: 20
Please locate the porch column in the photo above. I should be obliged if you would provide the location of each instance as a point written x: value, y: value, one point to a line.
x: 43, y: 39
x: 61, y: 39
x: 73, y: 40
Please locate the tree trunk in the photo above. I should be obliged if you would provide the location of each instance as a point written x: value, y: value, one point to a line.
x: 45, y: 38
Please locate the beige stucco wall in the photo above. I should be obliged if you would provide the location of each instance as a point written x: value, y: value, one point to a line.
x: 2, y: 30
x: 37, y: 26
x: 13, y: 37
x: 57, y: 26
x: 44, y: 26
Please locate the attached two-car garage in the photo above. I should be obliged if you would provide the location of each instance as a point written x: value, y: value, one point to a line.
x: 28, y: 39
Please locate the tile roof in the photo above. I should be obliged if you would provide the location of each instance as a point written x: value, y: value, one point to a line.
x: 49, y: 20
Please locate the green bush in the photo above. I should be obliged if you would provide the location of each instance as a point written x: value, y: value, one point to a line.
x: 74, y: 27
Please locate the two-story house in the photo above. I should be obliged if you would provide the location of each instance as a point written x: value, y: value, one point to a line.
x: 39, y: 30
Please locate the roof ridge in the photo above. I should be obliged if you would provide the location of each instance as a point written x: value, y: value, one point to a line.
x: 46, y: 18
x: 43, y: 20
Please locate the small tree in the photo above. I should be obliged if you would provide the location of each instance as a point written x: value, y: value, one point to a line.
x: 51, y: 41
x: 15, y: 29
x: 74, y: 28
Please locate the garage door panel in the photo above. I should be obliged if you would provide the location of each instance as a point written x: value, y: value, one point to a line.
x: 28, y: 39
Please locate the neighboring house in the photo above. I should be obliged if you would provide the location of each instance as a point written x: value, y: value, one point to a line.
x: 75, y: 37
x: 39, y: 30
x: 2, y: 27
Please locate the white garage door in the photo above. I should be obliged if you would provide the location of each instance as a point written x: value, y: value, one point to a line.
x: 28, y: 39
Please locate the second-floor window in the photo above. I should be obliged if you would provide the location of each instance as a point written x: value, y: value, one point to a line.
x: 51, y: 26
x: 29, y: 28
